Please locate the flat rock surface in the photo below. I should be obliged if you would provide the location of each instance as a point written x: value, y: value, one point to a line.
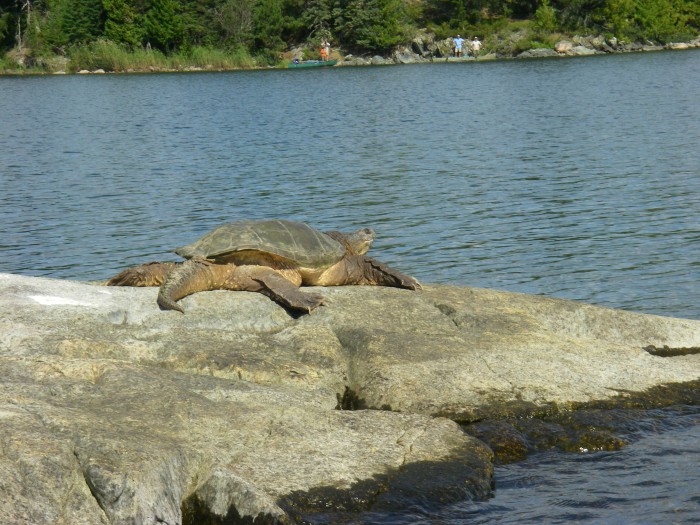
x: 116, y: 412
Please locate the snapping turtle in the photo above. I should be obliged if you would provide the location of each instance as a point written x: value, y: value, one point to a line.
x: 273, y: 257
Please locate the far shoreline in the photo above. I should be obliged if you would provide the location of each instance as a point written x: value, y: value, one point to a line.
x: 397, y: 58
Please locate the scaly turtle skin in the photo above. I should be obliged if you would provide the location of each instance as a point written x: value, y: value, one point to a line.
x: 273, y: 257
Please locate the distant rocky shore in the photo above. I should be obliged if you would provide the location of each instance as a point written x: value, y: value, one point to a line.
x: 425, y: 48
x: 115, y: 412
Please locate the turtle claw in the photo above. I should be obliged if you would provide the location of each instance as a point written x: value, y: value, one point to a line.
x: 305, y: 301
x: 166, y: 303
x: 285, y: 292
x: 412, y: 285
x: 379, y: 274
x: 404, y: 281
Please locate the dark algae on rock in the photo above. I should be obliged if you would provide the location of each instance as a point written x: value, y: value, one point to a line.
x: 584, y: 427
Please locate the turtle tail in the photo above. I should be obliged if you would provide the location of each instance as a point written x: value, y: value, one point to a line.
x: 194, y: 275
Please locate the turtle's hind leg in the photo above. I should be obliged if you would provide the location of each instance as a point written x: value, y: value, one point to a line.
x: 149, y: 274
x: 280, y: 289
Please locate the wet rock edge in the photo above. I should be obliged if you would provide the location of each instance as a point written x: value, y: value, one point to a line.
x: 604, y: 425
x: 513, y: 432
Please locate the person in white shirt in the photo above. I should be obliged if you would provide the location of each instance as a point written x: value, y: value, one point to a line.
x: 475, y: 47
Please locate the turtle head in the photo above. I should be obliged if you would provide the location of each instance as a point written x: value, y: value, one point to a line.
x: 356, y: 243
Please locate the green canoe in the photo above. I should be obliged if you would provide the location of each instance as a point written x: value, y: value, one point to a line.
x: 312, y: 63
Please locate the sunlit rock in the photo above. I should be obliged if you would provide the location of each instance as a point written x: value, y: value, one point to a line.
x: 114, y: 411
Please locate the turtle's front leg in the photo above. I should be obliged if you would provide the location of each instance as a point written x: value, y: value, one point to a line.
x: 196, y: 275
x: 367, y: 271
x: 149, y: 274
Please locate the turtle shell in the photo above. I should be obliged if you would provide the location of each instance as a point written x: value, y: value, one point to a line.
x: 296, y: 242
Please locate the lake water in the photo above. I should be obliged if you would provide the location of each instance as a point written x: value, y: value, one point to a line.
x: 572, y: 178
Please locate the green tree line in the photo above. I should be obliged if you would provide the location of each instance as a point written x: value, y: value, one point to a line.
x: 264, y: 28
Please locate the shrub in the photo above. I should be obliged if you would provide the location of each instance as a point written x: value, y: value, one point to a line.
x: 6, y: 64
x: 545, y: 18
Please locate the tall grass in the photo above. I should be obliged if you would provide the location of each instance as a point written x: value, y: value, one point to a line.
x: 210, y: 58
x: 109, y: 56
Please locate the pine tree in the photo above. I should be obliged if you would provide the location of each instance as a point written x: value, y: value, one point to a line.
x: 235, y: 18
x: 83, y: 20
x: 164, y: 26
x: 267, y: 25
x: 372, y: 25
x: 123, y: 24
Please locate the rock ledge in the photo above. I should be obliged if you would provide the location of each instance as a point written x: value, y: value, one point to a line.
x: 116, y: 412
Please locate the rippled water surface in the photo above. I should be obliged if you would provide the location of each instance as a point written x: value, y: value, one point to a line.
x: 652, y: 481
x: 575, y: 178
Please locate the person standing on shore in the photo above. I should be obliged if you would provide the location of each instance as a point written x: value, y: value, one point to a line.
x: 325, y: 49
x: 458, y: 42
x: 475, y: 47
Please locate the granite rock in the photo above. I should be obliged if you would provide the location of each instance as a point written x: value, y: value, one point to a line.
x: 116, y: 412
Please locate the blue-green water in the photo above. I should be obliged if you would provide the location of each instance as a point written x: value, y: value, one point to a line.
x: 574, y: 178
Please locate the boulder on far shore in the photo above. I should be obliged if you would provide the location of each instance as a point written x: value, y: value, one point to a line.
x: 563, y: 46
x: 538, y: 53
x: 116, y: 412
x: 583, y: 51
